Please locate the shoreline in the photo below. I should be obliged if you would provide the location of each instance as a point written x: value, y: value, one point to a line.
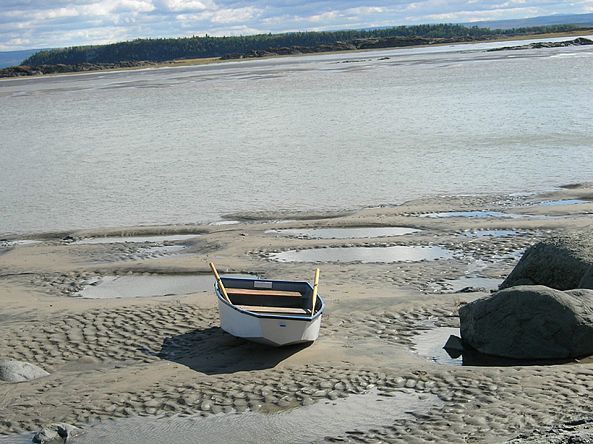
x: 255, y: 216
x: 184, y: 63
x: 164, y: 355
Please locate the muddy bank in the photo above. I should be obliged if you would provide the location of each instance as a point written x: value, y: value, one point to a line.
x: 161, y: 354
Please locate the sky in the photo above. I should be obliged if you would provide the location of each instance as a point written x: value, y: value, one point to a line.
x: 26, y: 24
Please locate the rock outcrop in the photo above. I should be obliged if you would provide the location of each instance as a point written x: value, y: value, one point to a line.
x: 580, y: 41
x: 24, y: 70
x: 18, y: 371
x: 361, y: 43
x: 530, y: 322
x: 562, y: 262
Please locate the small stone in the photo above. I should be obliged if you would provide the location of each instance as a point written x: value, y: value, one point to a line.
x: 152, y: 403
x: 410, y: 383
x: 332, y: 395
x: 18, y: 371
x: 205, y: 406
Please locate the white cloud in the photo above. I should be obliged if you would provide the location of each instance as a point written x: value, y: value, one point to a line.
x: 365, y: 10
x: 18, y: 42
x: 587, y: 6
x: 187, y: 5
x: 474, y: 16
x: 325, y: 16
x: 233, y: 30
x: 235, y: 15
x: 221, y: 16
x: 55, y: 23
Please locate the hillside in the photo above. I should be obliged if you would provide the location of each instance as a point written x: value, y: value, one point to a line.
x: 13, y: 58
x: 159, y: 50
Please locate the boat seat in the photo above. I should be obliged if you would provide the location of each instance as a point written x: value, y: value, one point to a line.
x: 260, y: 292
x: 282, y: 310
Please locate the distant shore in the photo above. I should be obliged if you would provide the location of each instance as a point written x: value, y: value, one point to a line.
x: 45, y: 70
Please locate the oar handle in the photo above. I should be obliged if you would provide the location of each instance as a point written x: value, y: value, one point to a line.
x: 219, y: 281
x: 315, y: 285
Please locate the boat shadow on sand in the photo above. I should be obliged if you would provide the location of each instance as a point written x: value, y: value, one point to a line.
x: 213, y: 351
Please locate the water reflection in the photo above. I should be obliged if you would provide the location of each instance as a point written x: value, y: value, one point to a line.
x: 398, y: 253
x: 553, y: 203
x: 140, y: 286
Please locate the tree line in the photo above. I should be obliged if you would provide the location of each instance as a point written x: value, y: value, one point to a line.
x: 165, y: 49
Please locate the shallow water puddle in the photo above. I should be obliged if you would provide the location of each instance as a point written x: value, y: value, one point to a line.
x: 300, y: 425
x: 140, y: 286
x: 110, y: 287
x: 430, y: 344
x: 398, y: 253
x: 135, y: 239
x: 553, y: 203
x: 344, y: 233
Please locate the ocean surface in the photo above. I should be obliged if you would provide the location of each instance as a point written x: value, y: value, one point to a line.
x: 340, y: 131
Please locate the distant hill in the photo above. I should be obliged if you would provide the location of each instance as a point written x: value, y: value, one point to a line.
x: 132, y: 53
x: 547, y: 20
x: 13, y: 58
x: 159, y: 50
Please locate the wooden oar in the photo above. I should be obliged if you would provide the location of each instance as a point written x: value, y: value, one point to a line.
x: 315, y: 284
x: 219, y: 281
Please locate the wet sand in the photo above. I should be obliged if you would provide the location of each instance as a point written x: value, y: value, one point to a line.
x: 165, y: 355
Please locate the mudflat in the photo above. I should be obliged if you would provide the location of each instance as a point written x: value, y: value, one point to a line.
x: 153, y: 347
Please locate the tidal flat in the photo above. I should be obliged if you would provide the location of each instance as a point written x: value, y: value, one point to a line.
x: 145, y: 364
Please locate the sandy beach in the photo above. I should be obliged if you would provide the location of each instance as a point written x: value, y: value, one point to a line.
x: 164, y: 354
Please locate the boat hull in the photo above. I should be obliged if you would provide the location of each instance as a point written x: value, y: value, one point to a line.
x: 276, y: 331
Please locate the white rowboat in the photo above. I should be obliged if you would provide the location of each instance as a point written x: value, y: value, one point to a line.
x: 270, y: 312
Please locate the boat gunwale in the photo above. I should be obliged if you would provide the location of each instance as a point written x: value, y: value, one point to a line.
x: 271, y: 316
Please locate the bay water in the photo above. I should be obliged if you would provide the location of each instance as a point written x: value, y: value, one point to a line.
x: 337, y: 131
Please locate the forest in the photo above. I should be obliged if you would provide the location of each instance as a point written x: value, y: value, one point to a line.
x: 166, y: 49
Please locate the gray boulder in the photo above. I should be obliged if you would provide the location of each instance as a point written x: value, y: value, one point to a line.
x: 18, y: 371
x: 530, y: 322
x: 587, y: 279
x: 58, y: 431
x: 560, y: 262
